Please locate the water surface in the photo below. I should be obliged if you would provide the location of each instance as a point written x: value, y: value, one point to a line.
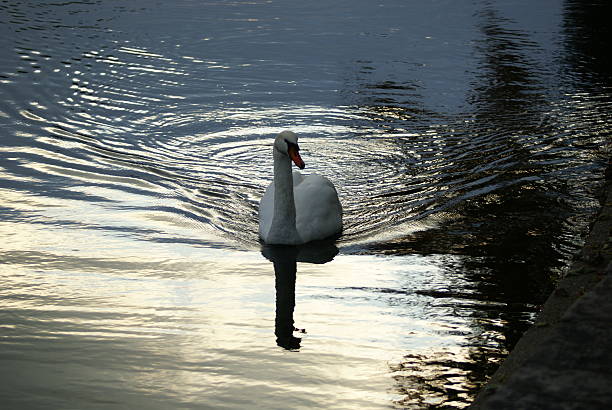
x: 467, y: 141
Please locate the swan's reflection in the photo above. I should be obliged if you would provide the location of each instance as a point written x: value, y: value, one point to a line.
x: 285, y: 260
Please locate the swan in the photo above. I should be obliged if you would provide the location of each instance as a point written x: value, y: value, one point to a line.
x: 297, y: 209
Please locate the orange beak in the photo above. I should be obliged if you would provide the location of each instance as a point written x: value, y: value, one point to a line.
x: 294, y: 154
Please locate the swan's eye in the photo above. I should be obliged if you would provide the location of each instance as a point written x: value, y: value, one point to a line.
x: 291, y: 144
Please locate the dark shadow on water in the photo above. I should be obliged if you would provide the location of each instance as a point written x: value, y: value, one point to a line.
x: 508, y: 178
x: 587, y: 32
x: 285, y: 260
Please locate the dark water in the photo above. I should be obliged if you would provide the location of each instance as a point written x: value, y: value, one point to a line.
x: 467, y: 141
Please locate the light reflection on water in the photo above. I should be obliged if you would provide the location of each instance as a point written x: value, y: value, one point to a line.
x: 467, y: 143
x: 203, y: 326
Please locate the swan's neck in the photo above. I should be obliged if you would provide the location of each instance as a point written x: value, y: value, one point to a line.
x: 282, y: 229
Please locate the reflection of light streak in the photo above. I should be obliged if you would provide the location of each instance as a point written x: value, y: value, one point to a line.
x: 200, y: 321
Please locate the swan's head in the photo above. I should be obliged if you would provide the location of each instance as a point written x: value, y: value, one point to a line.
x: 287, y: 143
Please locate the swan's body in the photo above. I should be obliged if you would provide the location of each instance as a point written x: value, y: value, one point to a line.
x: 296, y: 209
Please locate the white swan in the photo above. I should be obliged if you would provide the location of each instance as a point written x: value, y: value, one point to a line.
x: 296, y: 209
